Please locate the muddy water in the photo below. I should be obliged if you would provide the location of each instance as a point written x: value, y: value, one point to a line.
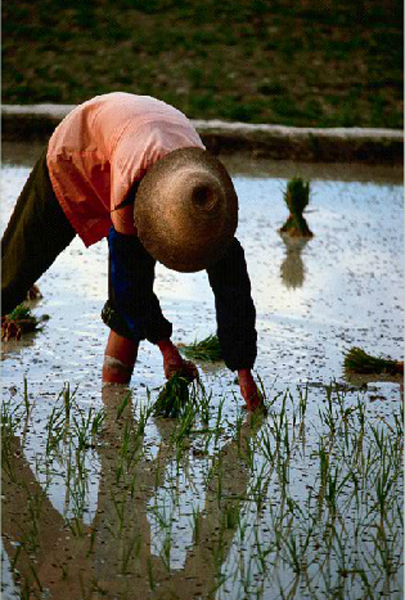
x: 314, y: 300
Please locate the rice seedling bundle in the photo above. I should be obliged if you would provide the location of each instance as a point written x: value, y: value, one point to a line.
x: 207, y: 349
x: 19, y: 321
x: 296, y: 198
x: 358, y: 361
x: 173, y: 398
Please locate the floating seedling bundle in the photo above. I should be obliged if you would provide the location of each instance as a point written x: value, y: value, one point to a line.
x: 296, y: 198
x: 19, y: 321
x: 358, y: 361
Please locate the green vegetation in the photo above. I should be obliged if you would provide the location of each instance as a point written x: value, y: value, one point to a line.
x: 356, y: 360
x: 296, y: 198
x: 291, y: 505
x: 19, y: 321
x: 173, y: 398
x: 284, y: 62
x: 207, y: 349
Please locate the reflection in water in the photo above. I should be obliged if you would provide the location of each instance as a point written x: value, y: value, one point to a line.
x: 292, y: 270
x: 115, y: 552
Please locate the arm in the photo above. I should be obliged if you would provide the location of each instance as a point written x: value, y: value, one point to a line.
x: 236, y: 317
x: 133, y: 312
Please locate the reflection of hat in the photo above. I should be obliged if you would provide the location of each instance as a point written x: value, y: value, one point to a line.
x: 186, y: 210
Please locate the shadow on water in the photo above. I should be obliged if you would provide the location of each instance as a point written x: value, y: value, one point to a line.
x: 114, y: 552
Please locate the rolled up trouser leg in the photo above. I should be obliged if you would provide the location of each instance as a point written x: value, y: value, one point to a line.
x: 36, y: 234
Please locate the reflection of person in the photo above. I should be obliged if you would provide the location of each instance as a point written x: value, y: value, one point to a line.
x: 134, y: 170
x: 115, y: 550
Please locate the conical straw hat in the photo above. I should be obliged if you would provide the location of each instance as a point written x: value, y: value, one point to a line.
x: 186, y: 210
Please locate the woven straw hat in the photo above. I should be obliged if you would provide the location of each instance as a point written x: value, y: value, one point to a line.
x: 186, y: 210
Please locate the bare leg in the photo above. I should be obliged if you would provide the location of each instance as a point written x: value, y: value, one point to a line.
x: 119, y: 359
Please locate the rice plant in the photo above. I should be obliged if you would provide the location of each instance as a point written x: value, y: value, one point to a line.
x: 296, y: 198
x: 173, y: 398
x: 19, y: 321
x: 207, y: 349
x: 356, y: 360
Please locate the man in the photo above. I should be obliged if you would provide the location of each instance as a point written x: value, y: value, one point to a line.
x: 133, y: 169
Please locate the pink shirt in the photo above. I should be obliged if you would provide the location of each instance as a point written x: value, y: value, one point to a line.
x: 101, y: 148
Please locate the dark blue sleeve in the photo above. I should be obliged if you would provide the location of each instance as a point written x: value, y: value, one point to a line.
x: 236, y: 314
x: 133, y: 310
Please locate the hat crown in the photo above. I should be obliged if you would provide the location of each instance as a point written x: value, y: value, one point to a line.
x: 199, y: 193
x: 206, y: 199
x: 186, y: 210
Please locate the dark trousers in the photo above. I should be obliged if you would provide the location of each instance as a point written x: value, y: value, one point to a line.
x: 36, y: 234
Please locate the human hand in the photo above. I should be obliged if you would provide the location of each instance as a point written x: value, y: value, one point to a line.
x: 249, y: 390
x: 173, y: 363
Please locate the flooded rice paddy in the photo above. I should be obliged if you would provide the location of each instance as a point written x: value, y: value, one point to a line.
x: 102, y: 500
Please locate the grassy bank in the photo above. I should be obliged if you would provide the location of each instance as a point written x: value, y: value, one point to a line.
x: 296, y: 63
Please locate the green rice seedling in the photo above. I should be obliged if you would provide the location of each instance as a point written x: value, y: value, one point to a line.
x: 292, y: 552
x: 67, y: 401
x: 262, y: 553
x: 186, y: 423
x: 196, y: 525
x: 123, y: 404
x: 303, y: 402
x: 26, y: 398
x: 262, y: 390
x: 75, y: 526
x: 132, y: 549
x: 383, y: 485
x: 86, y: 426
x: 97, y: 423
x: 173, y: 398
x: 278, y: 420
x: 34, y: 572
x: 207, y: 349
x: 266, y: 447
x: 119, y: 505
x: 249, y: 453
x: 55, y: 429
x: 296, y: 198
x: 356, y: 360
x: 10, y: 422
x: 19, y: 321
x: 151, y: 580
x: 204, y: 402
x: 165, y: 553
x: 26, y: 589
x: 145, y: 413
x: 324, y: 462
x: 238, y: 429
x: 217, y: 427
